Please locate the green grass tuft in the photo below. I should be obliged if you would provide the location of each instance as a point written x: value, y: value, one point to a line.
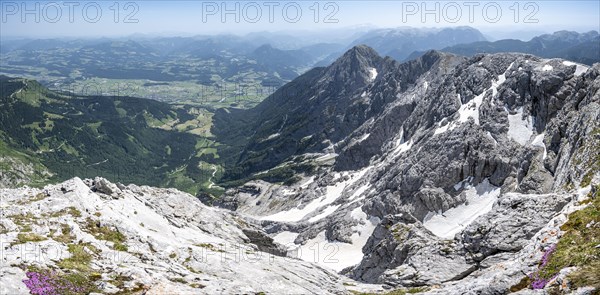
x: 80, y: 258
x: 577, y: 246
x: 23, y: 238
x: 105, y: 233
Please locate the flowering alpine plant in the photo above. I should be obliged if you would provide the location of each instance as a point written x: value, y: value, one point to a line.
x: 49, y: 283
x: 536, y: 281
x: 546, y: 255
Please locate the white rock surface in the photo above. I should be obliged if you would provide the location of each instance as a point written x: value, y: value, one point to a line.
x: 175, y: 243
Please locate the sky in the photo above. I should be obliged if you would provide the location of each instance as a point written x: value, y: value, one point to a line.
x: 47, y: 19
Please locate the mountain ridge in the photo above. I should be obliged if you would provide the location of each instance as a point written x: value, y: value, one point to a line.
x: 336, y: 109
x: 577, y: 47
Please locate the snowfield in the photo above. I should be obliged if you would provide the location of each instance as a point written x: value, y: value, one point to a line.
x: 519, y: 129
x: 321, y: 204
x: 333, y: 255
x: 480, y: 200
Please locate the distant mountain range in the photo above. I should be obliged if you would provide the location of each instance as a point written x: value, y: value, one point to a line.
x: 269, y: 59
x: 401, y: 42
x: 202, y: 59
x: 579, y: 47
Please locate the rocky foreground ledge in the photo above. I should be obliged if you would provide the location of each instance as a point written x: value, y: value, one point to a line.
x: 92, y: 236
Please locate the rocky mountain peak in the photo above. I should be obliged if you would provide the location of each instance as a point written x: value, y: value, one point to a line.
x: 358, y: 66
x: 361, y: 52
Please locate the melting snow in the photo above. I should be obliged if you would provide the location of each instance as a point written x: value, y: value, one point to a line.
x: 402, y: 148
x: 285, y: 238
x: 360, y: 191
x: 334, y: 255
x: 461, y: 184
x: 471, y: 108
x: 480, y: 200
x: 308, y: 182
x: 492, y: 138
x: 326, y: 212
x: 580, y: 68
x: 518, y: 129
x: 547, y: 68
x: 373, y: 73
x: 401, y: 145
x: 363, y: 138
x: 539, y: 141
x: 326, y: 157
x: 287, y: 192
x: 333, y: 192
x: 443, y: 129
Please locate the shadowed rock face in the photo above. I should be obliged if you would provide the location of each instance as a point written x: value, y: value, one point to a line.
x: 320, y: 108
x: 459, y: 164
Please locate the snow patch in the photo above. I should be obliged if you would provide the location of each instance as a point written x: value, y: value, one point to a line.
x: 547, y: 68
x: 518, y: 129
x: 401, y: 145
x: 287, y: 192
x: 285, y: 238
x: 402, y: 148
x: 360, y: 191
x: 326, y: 157
x: 363, y: 138
x: 492, y: 138
x: 326, y: 212
x: 308, y: 182
x: 463, y: 183
x: 480, y: 200
x: 373, y: 73
x: 539, y: 141
x: 332, y: 193
x: 580, y: 68
x: 442, y: 129
x: 470, y: 109
x: 337, y: 255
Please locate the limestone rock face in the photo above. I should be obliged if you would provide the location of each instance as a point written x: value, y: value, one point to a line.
x: 456, y: 171
x: 157, y: 241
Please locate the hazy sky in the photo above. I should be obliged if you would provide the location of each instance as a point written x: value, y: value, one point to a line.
x: 105, y: 18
